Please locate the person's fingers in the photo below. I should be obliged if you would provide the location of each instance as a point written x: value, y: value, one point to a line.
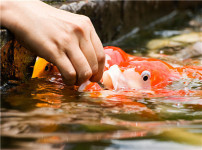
x: 80, y: 63
x: 66, y: 69
x: 89, y: 52
x: 99, y: 51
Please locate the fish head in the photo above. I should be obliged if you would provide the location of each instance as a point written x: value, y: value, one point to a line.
x: 157, y: 72
x: 117, y: 78
x: 139, y: 74
x: 43, y: 69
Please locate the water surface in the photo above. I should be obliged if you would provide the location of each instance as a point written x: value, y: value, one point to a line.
x: 40, y: 114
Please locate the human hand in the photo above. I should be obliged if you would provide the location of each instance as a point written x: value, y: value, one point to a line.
x: 67, y: 40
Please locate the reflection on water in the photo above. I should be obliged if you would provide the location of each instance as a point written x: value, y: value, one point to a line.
x: 44, y: 115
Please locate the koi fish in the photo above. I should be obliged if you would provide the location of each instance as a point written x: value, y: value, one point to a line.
x: 126, y: 72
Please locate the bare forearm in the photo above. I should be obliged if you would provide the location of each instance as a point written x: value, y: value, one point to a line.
x: 12, y: 13
x: 16, y: 15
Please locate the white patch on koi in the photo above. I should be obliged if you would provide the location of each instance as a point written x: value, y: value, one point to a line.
x: 37, y: 58
x: 113, y: 78
x: 107, y: 57
x: 83, y: 86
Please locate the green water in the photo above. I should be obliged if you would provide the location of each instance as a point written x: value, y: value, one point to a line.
x: 40, y: 114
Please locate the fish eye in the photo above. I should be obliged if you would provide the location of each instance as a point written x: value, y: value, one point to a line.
x: 146, y: 75
x: 48, y: 67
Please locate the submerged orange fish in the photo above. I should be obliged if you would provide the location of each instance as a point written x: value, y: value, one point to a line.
x: 126, y: 72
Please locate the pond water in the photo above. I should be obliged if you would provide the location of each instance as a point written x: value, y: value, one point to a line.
x: 40, y: 114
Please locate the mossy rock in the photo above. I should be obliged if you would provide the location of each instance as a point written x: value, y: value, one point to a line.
x: 16, y: 62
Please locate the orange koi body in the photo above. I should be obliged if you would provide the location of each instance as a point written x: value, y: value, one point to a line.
x: 126, y: 72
